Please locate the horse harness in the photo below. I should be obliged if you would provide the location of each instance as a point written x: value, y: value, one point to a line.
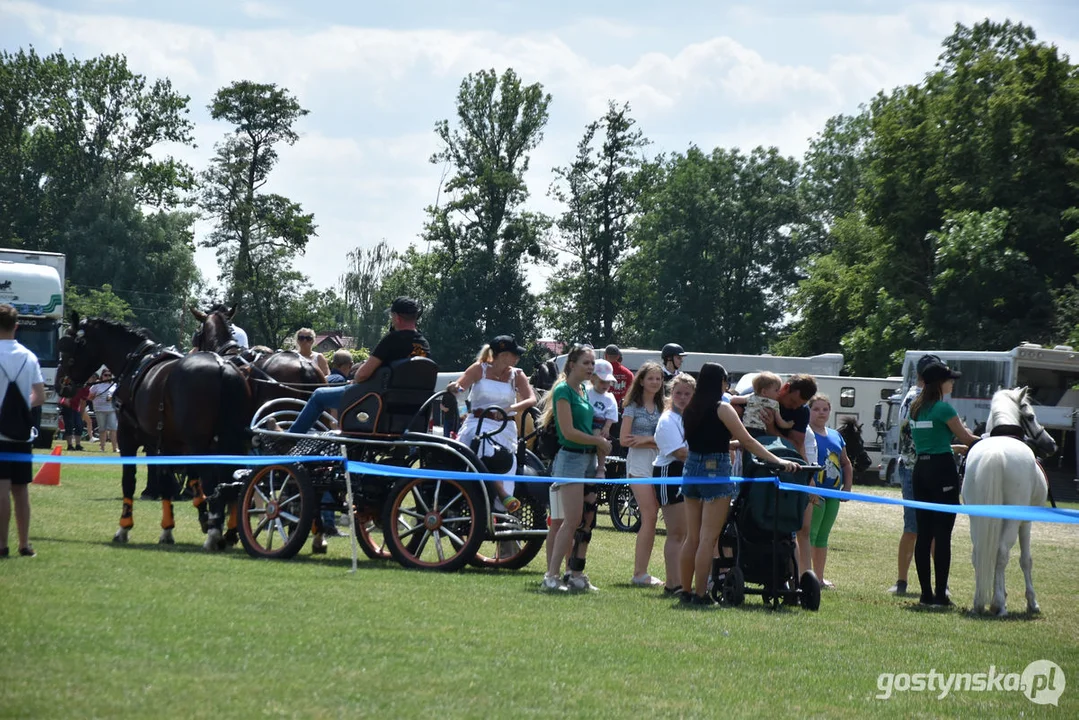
x: 139, y: 361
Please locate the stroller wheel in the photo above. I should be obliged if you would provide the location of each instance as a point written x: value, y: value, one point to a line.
x: 810, y: 587
x: 734, y: 587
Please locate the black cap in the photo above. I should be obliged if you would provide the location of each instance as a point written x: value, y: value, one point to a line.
x: 405, y: 306
x: 925, y: 360
x: 506, y: 343
x: 612, y: 349
x: 936, y: 371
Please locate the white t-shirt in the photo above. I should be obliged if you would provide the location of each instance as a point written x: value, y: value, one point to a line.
x: 18, y: 365
x: 670, y: 436
x: 101, y: 394
x: 604, y: 406
x: 239, y: 335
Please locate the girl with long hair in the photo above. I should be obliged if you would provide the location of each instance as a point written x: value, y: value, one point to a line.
x: 710, y: 425
x: 568, y: 408
x: 643, y: 405
x: 670, y: 440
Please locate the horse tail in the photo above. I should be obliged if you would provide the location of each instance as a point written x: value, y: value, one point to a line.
x: 984, y: 485
x: 234, y: 413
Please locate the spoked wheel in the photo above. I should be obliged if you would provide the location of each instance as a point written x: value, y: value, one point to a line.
x: 369, y: 536
x: 514, y: 554
x: 625, y: 515
x: 434, y: 524
x: 276, y: 513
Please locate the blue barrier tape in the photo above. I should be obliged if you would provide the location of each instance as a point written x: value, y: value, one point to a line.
x: 1005, y: 512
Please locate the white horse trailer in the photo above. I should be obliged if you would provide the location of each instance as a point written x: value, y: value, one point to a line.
x: 1052, y: 374
x: 735, y: 365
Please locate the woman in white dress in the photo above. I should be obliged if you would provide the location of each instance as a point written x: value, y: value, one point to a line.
x: 494, y: 381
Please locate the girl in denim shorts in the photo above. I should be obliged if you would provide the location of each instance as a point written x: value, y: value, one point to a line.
x: 710, y: 424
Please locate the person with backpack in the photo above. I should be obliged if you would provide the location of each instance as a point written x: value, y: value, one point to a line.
x: 23, y: 387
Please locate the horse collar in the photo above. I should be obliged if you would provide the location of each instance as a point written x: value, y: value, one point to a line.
x: 1012, y: 431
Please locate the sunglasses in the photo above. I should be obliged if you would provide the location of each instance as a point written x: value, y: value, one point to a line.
x: 305, y: 338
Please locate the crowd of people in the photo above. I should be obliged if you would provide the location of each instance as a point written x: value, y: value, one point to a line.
x: 668, y: 423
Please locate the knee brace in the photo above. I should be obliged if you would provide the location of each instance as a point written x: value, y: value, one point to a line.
x: 583, y: 535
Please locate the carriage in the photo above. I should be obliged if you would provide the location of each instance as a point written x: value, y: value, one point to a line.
x: 436, y: 520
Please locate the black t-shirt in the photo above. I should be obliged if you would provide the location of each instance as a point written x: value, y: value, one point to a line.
x: 800, y: 416
x: 711, y: 436
x: 401, y: 344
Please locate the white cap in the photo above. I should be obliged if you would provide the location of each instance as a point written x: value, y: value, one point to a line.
x: 604, y: 371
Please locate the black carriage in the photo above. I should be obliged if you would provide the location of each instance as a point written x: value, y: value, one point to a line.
x: 431, y: 521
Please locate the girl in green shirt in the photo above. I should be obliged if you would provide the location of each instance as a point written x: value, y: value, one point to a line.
x: 933, y: 422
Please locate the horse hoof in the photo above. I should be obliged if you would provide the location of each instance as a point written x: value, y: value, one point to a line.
x: 120, y: 536
x: 213, y: 541
x: 319, y: 545
x: 1034, y: 608
x: 232, y: 537
x: 166, y: 538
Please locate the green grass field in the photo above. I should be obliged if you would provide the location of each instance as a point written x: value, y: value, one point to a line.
x: 93, y: 629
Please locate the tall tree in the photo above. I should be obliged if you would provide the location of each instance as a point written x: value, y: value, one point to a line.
x: 601, y: 192
x: 712, y: 245
x: 362, y: 285
x: 255, y: 233
x: 482, y: 236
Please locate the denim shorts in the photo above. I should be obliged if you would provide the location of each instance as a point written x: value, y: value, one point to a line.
x: 906, y: 482
x: 707, y: 465
x: 573, y: 465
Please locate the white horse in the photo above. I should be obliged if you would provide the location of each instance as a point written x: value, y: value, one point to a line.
x: 1002, y: 470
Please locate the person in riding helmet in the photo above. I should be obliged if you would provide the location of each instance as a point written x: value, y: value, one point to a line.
x: 672, y: 360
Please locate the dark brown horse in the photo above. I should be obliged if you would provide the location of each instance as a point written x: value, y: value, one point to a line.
x: 169, y: 404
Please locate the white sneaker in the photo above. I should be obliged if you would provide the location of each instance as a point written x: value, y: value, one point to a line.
x: 645, y: 580
x: 553, y: 584
x: 580, y: 583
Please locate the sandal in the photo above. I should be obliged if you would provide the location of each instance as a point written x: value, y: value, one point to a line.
x: 512, y: 504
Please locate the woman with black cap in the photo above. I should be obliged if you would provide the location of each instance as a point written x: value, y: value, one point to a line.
x: 933, y: 422
x: 496, y: 383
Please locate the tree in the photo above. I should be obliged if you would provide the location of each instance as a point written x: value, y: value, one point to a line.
x: 103, y: 303
x: 600, y: 190
x: 834, y: 170
x: 482, y: 236
x: 714, y: 251
x: 70, y: 127
x: 255, y: 232
x: 362, y: 285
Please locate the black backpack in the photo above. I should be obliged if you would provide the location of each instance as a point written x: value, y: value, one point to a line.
x: 16, y: 422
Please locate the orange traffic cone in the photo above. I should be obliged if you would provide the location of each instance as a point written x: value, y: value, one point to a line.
x: 49, y: 474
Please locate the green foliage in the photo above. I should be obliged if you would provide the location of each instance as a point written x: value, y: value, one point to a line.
x: 473, y: 277
x: 714, y: 240
x: 256, y: 234
x: 103, y: 303
x: 365, y: 284
x: 601, y: 192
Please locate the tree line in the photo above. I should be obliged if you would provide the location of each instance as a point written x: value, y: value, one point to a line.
x: 941, y: 214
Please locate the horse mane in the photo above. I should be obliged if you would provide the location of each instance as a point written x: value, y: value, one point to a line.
x: 115, y: 325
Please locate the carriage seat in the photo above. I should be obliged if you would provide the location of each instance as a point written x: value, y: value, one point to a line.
x: 384, y: 404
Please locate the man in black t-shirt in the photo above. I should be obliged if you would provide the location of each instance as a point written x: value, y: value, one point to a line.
x: 404, y: 341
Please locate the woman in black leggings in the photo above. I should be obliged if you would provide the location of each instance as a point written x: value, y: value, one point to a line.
x: 933, y: 423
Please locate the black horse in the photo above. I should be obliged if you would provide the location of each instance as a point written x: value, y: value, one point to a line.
x: 851, y: 431
x: 169, y: 404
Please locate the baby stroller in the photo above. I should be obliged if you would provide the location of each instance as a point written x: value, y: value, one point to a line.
x: 757, y: 543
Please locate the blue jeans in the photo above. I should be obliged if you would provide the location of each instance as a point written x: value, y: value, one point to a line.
x: 906, y: 483
x: 325, y: 398
x: 573, y: 465
x: 707, y: 465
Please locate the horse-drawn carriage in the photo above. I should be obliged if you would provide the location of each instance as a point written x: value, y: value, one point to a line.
x: 437, y: 520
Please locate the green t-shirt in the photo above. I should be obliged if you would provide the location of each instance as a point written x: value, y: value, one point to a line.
x: 930, y: 431
x: 580, y: 408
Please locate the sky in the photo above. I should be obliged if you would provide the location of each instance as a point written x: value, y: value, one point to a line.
x: 377, y: 76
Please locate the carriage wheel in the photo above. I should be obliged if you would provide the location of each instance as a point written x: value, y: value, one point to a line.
x: 625, y: 514
x: 277, y: 511
x: 515, y: 554
x: 370, y: 537
x: 434, y: 524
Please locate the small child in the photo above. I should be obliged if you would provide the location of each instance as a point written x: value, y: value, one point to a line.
x: 765, y: 396
x: 604, y: 408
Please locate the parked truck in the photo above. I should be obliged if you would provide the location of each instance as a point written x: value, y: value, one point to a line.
x: 33, y: 282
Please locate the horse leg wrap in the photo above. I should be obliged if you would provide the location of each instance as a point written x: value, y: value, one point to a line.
x: 200, y: 498
x: 127, y: 518
x: 168, y: 522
